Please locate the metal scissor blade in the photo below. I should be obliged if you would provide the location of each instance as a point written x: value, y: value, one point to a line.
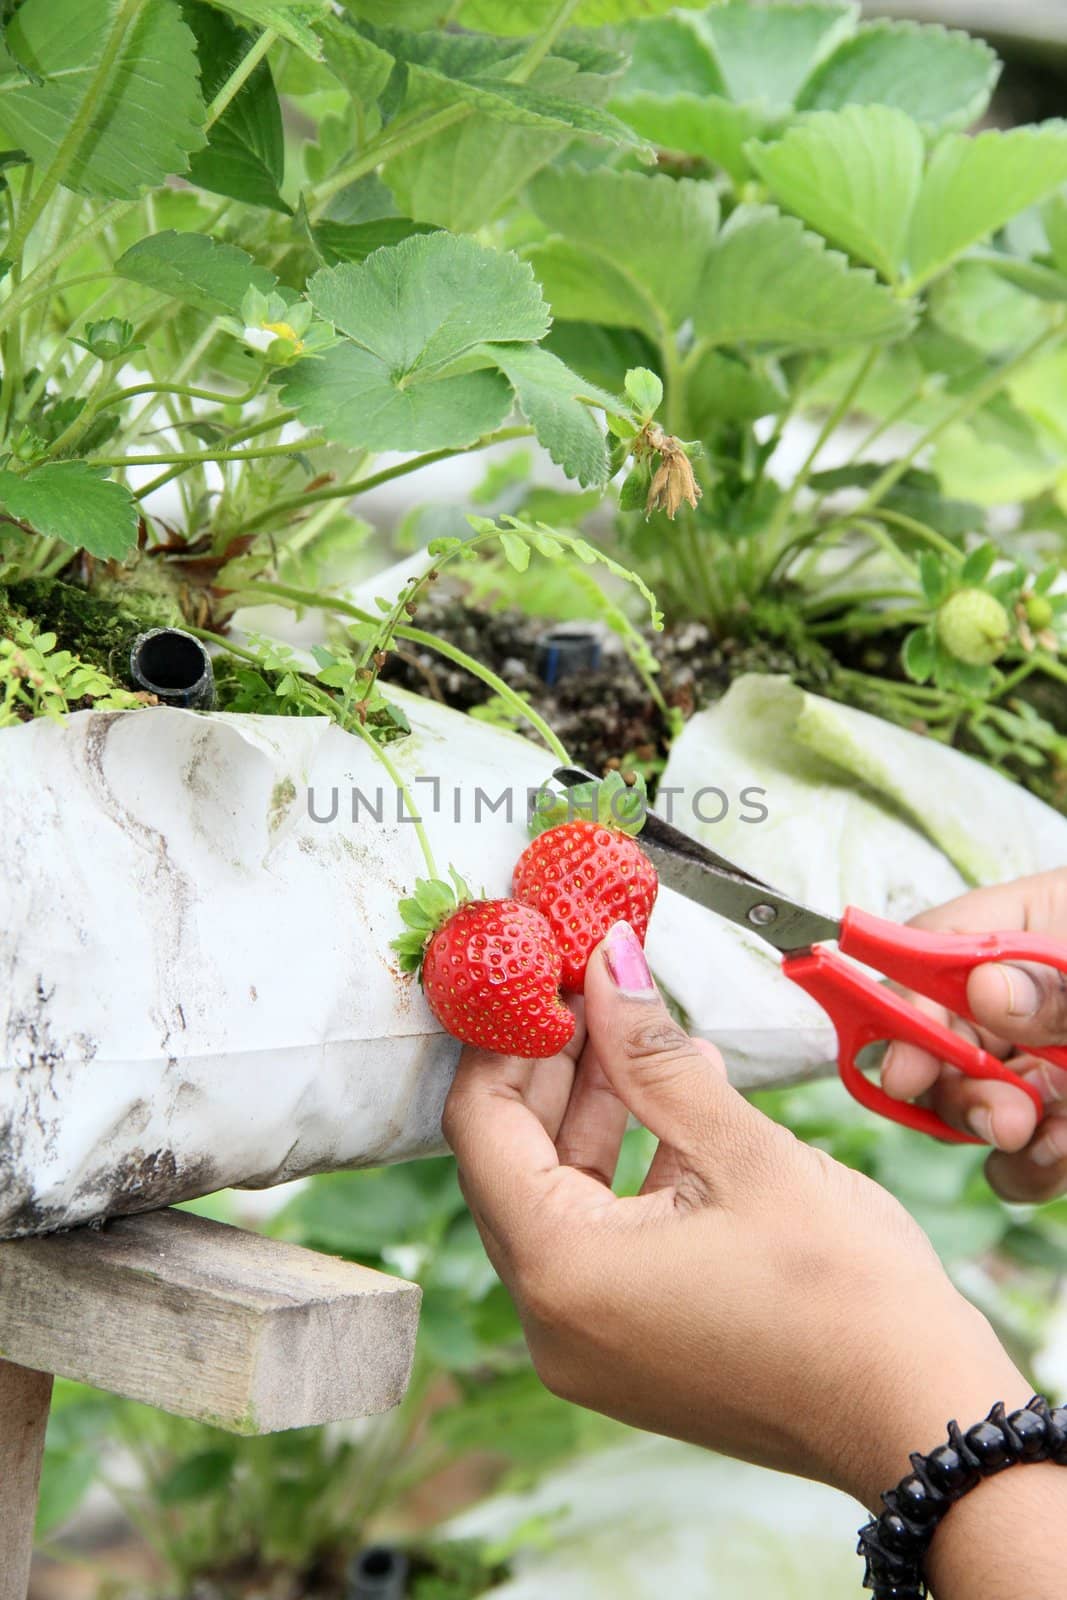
x: 710, y: 880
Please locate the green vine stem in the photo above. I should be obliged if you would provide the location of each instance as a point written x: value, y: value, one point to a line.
x: 239, y: 77
x: 193, y: 458
x: 973, y: 402
x: 348, y: 491
x: 328, y: 707
x: 826, y: 433
x: 344, y: 608
x: 541, y: 46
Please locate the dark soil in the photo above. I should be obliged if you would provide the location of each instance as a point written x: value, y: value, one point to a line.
x: 605, y: 717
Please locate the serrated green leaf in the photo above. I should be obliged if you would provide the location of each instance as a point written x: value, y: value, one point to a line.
x: 294, y: 20
x: 201, y: 271
x: 503, y: 16
x: 765, y: 53
x: 853, y: 175
x: 975, y: 303
x: 999, y: 457
x: 919, y: 654
x: 633, y: 495
x: 943, y: 79
x: 468, y: 173
x: 581, y: 286
x: 355, y: 60
x: 645, y: 389
x: 548, y: 395
x: 149, y: 119
x: 973, y: 186
x: 73, y: 502
x: 654, y: 232
x: 721, y: 388
x: 516, y: 551
x: 979, y: 564
x: 669, y: 56
x: 355, y: 241
x: 245, y: 154
x: 602, y: 355
x: 768, y: 281
x: 411, y: 315
x: 1044, y: 283
x: 696, y: 125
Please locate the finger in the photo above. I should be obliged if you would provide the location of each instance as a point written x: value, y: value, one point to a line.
x: 676, y: 1089
x: 996, y: 1113
x: 1023, y: 1002
x: 507, y: 1158
x: 668, y: 1169
x: 551, y: 1081
x: 1027, y: 903
x: 590, y: 1136
x: 1039, y: 1173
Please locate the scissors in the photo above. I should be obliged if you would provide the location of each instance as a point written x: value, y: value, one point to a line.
x: 862, y: 1010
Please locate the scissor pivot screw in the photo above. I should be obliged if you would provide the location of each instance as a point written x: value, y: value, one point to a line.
x: 762, y: 916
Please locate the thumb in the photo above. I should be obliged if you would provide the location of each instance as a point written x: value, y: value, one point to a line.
x: 676, y: 1086
x: 1025, y: 1004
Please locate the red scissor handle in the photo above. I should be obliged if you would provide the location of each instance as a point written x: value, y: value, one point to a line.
x: 935, y: 965
x: 938, y: 965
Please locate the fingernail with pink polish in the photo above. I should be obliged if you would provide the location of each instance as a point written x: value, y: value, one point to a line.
x: 627, y: 964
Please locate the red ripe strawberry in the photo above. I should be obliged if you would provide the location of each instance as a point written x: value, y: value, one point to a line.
x: 490, y: 970
x: 584, y: 876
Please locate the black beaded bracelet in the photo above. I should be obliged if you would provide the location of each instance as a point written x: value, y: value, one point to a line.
x: 895, y: 1544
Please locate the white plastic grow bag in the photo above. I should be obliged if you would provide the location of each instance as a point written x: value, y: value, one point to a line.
x: 197, y: 988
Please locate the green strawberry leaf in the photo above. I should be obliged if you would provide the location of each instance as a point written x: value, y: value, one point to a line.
x: 920, y: 654
x: 853, y: 176
x: 974, y: 186
x: 150, y: 116
x: 245, y: 154
x: 943, y: 79
x: 637, y: 248
x: 766, y: 53
x: 411, y: 371
x: 195, y: 268
x: 697, y: 125
x: 768, y: 281
x: 73, y: 502
x: 294, y: 20
x: 550, y: 397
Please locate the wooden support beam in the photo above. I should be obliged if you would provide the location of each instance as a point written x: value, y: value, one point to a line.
x: 209, y: 1322
x: 25, y: 1397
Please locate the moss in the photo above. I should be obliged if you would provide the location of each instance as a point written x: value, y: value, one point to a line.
x: 95, y: 627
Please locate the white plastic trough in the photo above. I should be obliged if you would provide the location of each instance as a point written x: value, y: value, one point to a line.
x: 196, y: 985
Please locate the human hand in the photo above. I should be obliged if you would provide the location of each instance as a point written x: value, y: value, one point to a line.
x: 756, y: 1297
x: 1013, y: 1005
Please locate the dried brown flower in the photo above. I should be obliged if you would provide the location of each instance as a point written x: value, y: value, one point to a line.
x: 673, y: 484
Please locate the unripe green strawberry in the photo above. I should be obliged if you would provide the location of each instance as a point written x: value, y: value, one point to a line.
x: 973, y: 627
x: 1039, y: 612
x: 490, y: 970
x: 584, y: 876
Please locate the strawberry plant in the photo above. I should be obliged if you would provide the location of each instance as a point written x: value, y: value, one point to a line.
x: 250, y: 244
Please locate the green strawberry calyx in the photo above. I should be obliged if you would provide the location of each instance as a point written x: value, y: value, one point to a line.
x: 610, y: 800
x: 428, y: 909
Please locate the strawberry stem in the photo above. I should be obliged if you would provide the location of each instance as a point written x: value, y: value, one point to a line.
x: 403, y: 790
